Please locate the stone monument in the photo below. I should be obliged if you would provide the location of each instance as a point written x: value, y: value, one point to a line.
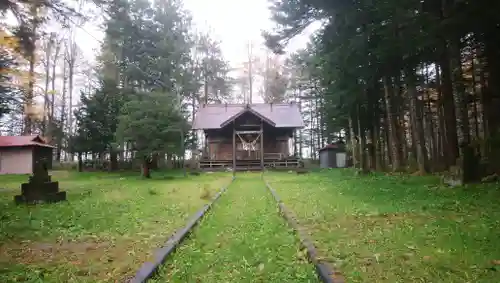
x: 40, y: 188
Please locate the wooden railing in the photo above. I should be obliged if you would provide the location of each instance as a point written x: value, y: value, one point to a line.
x: 282, y: 163
x: 272, y: 155
x: 221, y: 164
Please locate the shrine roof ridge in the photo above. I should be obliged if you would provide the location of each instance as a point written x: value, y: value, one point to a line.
x: 279, y: 115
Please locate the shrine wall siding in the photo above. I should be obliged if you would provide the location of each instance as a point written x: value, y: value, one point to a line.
x: 16, y: 160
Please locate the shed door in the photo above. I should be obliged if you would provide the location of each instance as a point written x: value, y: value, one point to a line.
x: 323, y: 159
x: 340, y: 158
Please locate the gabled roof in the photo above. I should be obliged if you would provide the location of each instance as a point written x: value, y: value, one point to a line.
x: 216, y: 116
x: 245, y: 110
x: 19, y: 141
x: 337, y: 145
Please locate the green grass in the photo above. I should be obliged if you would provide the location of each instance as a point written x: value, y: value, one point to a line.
x: 397, y: 228
x: 109, y: 226
x: 243, y: 239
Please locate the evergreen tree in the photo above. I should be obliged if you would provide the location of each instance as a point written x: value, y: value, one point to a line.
x: 152, y: 124
x: 8, y: 93
x: 372, y: 63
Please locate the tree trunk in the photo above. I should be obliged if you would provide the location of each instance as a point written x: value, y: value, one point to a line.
x: 460, y: 94
x: 53, y: 83
x: 440, y: 134
x: 46, y: 104
x: 431, y: 137
x: 492, y: 55
x: 62, y: 118
x: 29, y: 110
x: 388, y: 145
x: 300, y: 132
x: 71, y: 70
x: 145, y: 168
x: 374, y: 154
x: 319, y: 132
x: 491, y: 98
x: 29, y: 103
x: 363, y: 164
x: 80, y: 162
x: 205, y: 85
x: 485, y: 99
x: 113, y: 160
x: 475, y: 95
x: 416, y: 116
x: 412, y: 158
x: 444, y: 10
x: 353, y: 141
x: 250, y: 73
x: 451, y: 140
x: 391, y: 120
x: 121, y: 154
x: 381, y: 151
x: 399, y: 101
x: 384, y: 153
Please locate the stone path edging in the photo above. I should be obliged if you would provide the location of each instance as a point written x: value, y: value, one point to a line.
x: 148, y: 269
x: 324, y: 272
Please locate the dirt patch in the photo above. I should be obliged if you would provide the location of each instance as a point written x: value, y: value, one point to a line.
x: 60, y: 174
x: 114, y: 195
x: 387, y: 218
x: 390, y: 217
x: 100, y: 260
x: 28, y: 253
x: 356, y: 225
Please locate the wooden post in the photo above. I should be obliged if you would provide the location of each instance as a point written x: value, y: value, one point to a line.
x: 299, y: 132
x: 261, y: 145
x: 183, y: 152
x: 234, y: 148
x: 205, y: 146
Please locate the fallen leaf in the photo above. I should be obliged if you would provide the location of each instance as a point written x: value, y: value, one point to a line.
x: 411, y: 247
x: 261, y: 267
x: 407, y: 256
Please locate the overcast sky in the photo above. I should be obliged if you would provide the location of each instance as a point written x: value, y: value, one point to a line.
x: 234, y: 22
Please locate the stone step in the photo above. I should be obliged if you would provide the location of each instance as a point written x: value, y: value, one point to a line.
x: 40, y: 198
x: 39, y: 188
x: 35, y: 179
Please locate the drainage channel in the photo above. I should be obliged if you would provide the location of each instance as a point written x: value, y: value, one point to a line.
x: 242, y: 239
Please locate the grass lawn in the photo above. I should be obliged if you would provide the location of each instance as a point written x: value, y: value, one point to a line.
x: 109, y: 226
x: 243, y: 239
x: 397, y: 228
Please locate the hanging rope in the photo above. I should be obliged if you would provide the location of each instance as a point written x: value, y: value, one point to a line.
x: 247, y: 144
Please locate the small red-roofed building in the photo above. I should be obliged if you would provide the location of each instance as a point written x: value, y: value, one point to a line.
x: 18, y: 153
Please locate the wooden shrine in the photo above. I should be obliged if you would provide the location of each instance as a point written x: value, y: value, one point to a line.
x: 248, y: 136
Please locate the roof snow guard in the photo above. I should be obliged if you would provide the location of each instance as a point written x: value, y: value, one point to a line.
x: 216, y: 116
